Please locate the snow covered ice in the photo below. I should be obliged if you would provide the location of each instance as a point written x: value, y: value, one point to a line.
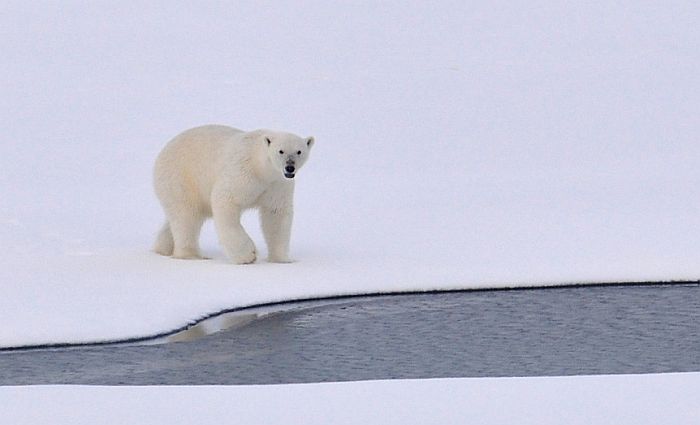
x: 612, y: 399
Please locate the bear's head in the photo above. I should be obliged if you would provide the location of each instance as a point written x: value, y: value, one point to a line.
x: 288, y: 152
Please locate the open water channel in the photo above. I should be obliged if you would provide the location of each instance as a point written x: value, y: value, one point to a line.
x: 560, y: 331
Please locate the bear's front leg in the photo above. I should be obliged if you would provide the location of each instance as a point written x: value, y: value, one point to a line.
x: 277, y: 228
x: 236, y: 242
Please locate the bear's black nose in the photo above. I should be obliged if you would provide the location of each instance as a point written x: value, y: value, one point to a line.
x: 289, y: 168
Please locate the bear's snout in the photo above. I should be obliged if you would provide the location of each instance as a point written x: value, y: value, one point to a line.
x: 289, y: 171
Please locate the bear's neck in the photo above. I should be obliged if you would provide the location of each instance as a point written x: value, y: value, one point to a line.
x: 262, y: 167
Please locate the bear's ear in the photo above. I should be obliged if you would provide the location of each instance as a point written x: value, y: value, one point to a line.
x: 268, y: 141
x: 309, y: 142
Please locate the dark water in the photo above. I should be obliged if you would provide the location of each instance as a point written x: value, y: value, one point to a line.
x: 593, y: 330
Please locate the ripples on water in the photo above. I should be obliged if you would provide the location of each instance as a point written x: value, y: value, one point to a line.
x: 564, y: 331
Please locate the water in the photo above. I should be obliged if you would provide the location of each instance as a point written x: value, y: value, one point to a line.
x: 585, y: 330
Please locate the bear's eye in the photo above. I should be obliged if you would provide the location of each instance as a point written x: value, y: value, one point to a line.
x: 281, y: 152
x: 298, y: 152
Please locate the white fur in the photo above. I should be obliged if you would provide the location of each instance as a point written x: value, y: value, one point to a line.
x: 217, y: 171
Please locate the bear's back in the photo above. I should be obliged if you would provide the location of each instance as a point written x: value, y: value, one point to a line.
x: 194, y: 159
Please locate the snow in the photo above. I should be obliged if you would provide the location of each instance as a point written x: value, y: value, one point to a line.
x: 612, y: 399
x: 459, y: 145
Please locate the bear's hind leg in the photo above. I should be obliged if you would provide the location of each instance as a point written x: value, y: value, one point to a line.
x: 164, y: 241
x: 185, y: 230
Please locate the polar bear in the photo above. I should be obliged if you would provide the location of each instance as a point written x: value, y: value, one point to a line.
x: 218, y: 171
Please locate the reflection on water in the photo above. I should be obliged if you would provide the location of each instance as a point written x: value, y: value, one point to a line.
x: 211, y: 326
